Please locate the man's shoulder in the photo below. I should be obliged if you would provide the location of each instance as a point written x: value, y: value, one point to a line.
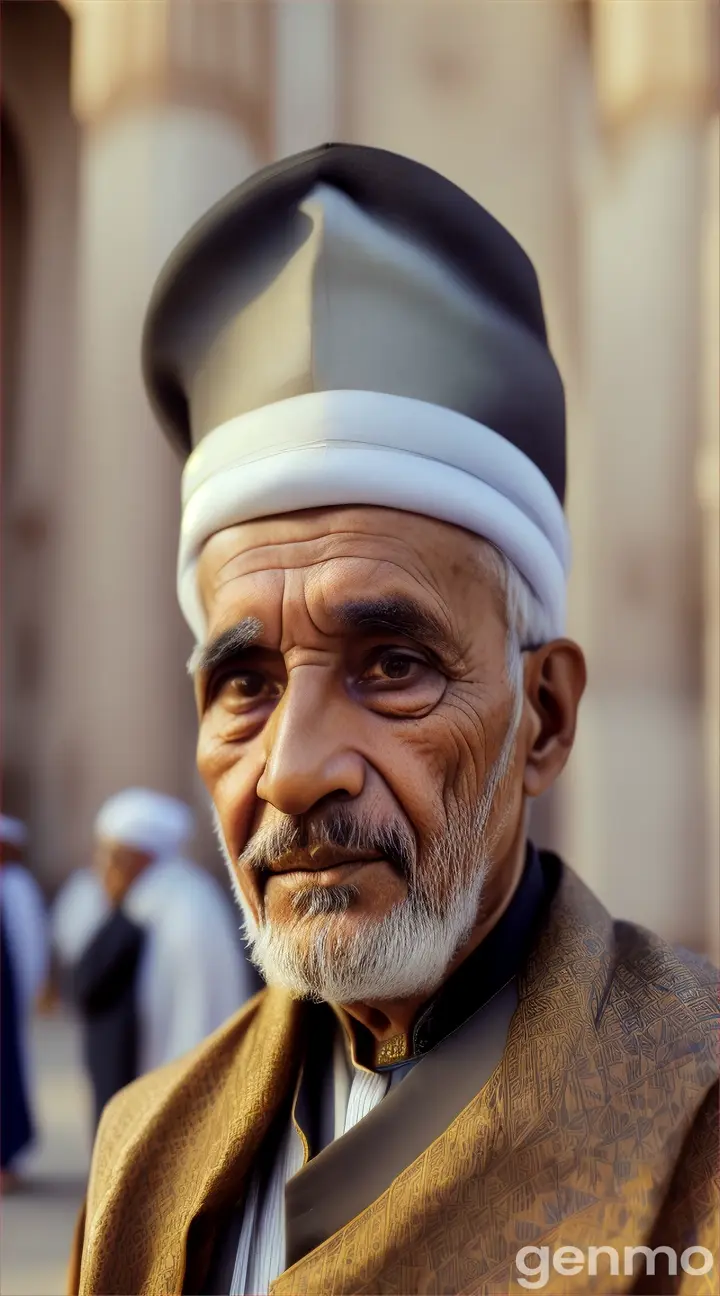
x: 645, y: 982
x: 138, y: 1108
x: 647, y: 964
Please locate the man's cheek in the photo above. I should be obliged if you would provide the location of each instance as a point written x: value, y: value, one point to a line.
x: 454, y: 756
x: 211, y: 757
x: 424, y: 764
x: 236, y: 806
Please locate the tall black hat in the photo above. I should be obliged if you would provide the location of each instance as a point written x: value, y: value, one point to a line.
x: 348, y: 327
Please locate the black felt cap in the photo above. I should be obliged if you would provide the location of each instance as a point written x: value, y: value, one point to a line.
x: 347, y: 267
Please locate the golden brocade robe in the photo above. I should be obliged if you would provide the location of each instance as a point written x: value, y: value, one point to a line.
x: 598, y: 1127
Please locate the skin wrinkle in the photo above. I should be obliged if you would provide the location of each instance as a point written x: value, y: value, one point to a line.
x: 428, y: 765
x: 244, y: 564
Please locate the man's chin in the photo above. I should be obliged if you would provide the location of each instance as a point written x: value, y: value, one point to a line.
x: 304, y: 932
x: 287, y: 928
x: 347, y: 957
x: 309, y: 954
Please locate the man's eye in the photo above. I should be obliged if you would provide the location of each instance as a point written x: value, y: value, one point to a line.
x: 248, y: 685
x: 243, y: 688
x: 395, y: 667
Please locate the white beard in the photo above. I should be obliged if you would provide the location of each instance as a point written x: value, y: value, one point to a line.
x: 318, y: 955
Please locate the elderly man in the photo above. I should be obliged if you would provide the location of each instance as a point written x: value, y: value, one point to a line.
x: 460, y: 1054
x: 155, y: 963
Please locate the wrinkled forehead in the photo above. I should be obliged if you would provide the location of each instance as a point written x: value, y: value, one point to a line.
x: 342, y: 553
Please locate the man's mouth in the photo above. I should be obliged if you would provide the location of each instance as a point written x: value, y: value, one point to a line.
x: 326, y: 866
x: 339, y: 873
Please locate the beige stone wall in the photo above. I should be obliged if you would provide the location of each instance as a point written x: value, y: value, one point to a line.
x: 636, y: 796
x: 635, y: 821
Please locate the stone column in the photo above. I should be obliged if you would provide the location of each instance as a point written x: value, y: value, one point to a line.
x: 305, y: 74
x: 168, y: 95
x: 709, y: 494
x: 635, y: 812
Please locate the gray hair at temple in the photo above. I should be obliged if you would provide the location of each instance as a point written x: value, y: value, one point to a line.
x: 528, y: 624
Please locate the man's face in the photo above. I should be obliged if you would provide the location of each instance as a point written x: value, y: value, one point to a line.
x: 354, y: 700
x: 118, y: 865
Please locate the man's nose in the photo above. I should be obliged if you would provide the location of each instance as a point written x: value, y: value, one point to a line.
x: 308, y: 747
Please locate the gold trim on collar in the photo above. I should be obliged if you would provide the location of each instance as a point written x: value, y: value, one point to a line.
x: 395, y: 1049
x: 391, y: 1050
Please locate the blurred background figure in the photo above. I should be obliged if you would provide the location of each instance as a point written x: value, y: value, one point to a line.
x: 150, y: 942
x: 24, y: 970
x: 80, y: 908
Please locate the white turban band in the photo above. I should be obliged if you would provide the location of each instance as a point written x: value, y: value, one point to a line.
x: 357, y: 447
x: 147, y: 821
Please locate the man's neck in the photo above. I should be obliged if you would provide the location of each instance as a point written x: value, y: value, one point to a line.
x: 388, y: 1019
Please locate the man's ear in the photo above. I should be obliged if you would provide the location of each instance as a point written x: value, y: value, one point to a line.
x: 555, y: 677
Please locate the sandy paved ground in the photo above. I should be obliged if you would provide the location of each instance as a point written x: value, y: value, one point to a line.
x: 37, y: 1223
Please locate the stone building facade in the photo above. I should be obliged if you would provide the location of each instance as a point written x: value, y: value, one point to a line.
x: 590, y: 128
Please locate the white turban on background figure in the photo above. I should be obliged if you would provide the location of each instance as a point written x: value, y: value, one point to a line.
x: 146, y: 821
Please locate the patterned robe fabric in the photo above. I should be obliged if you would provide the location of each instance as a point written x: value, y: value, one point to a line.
x: 599, y: 1127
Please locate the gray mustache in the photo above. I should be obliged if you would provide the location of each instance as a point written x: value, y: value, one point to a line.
x: 339, y: 828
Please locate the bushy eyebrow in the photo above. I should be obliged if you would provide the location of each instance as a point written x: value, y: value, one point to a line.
x: 400, y: 615
x: 225, y: 647
x: 396, y: 615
